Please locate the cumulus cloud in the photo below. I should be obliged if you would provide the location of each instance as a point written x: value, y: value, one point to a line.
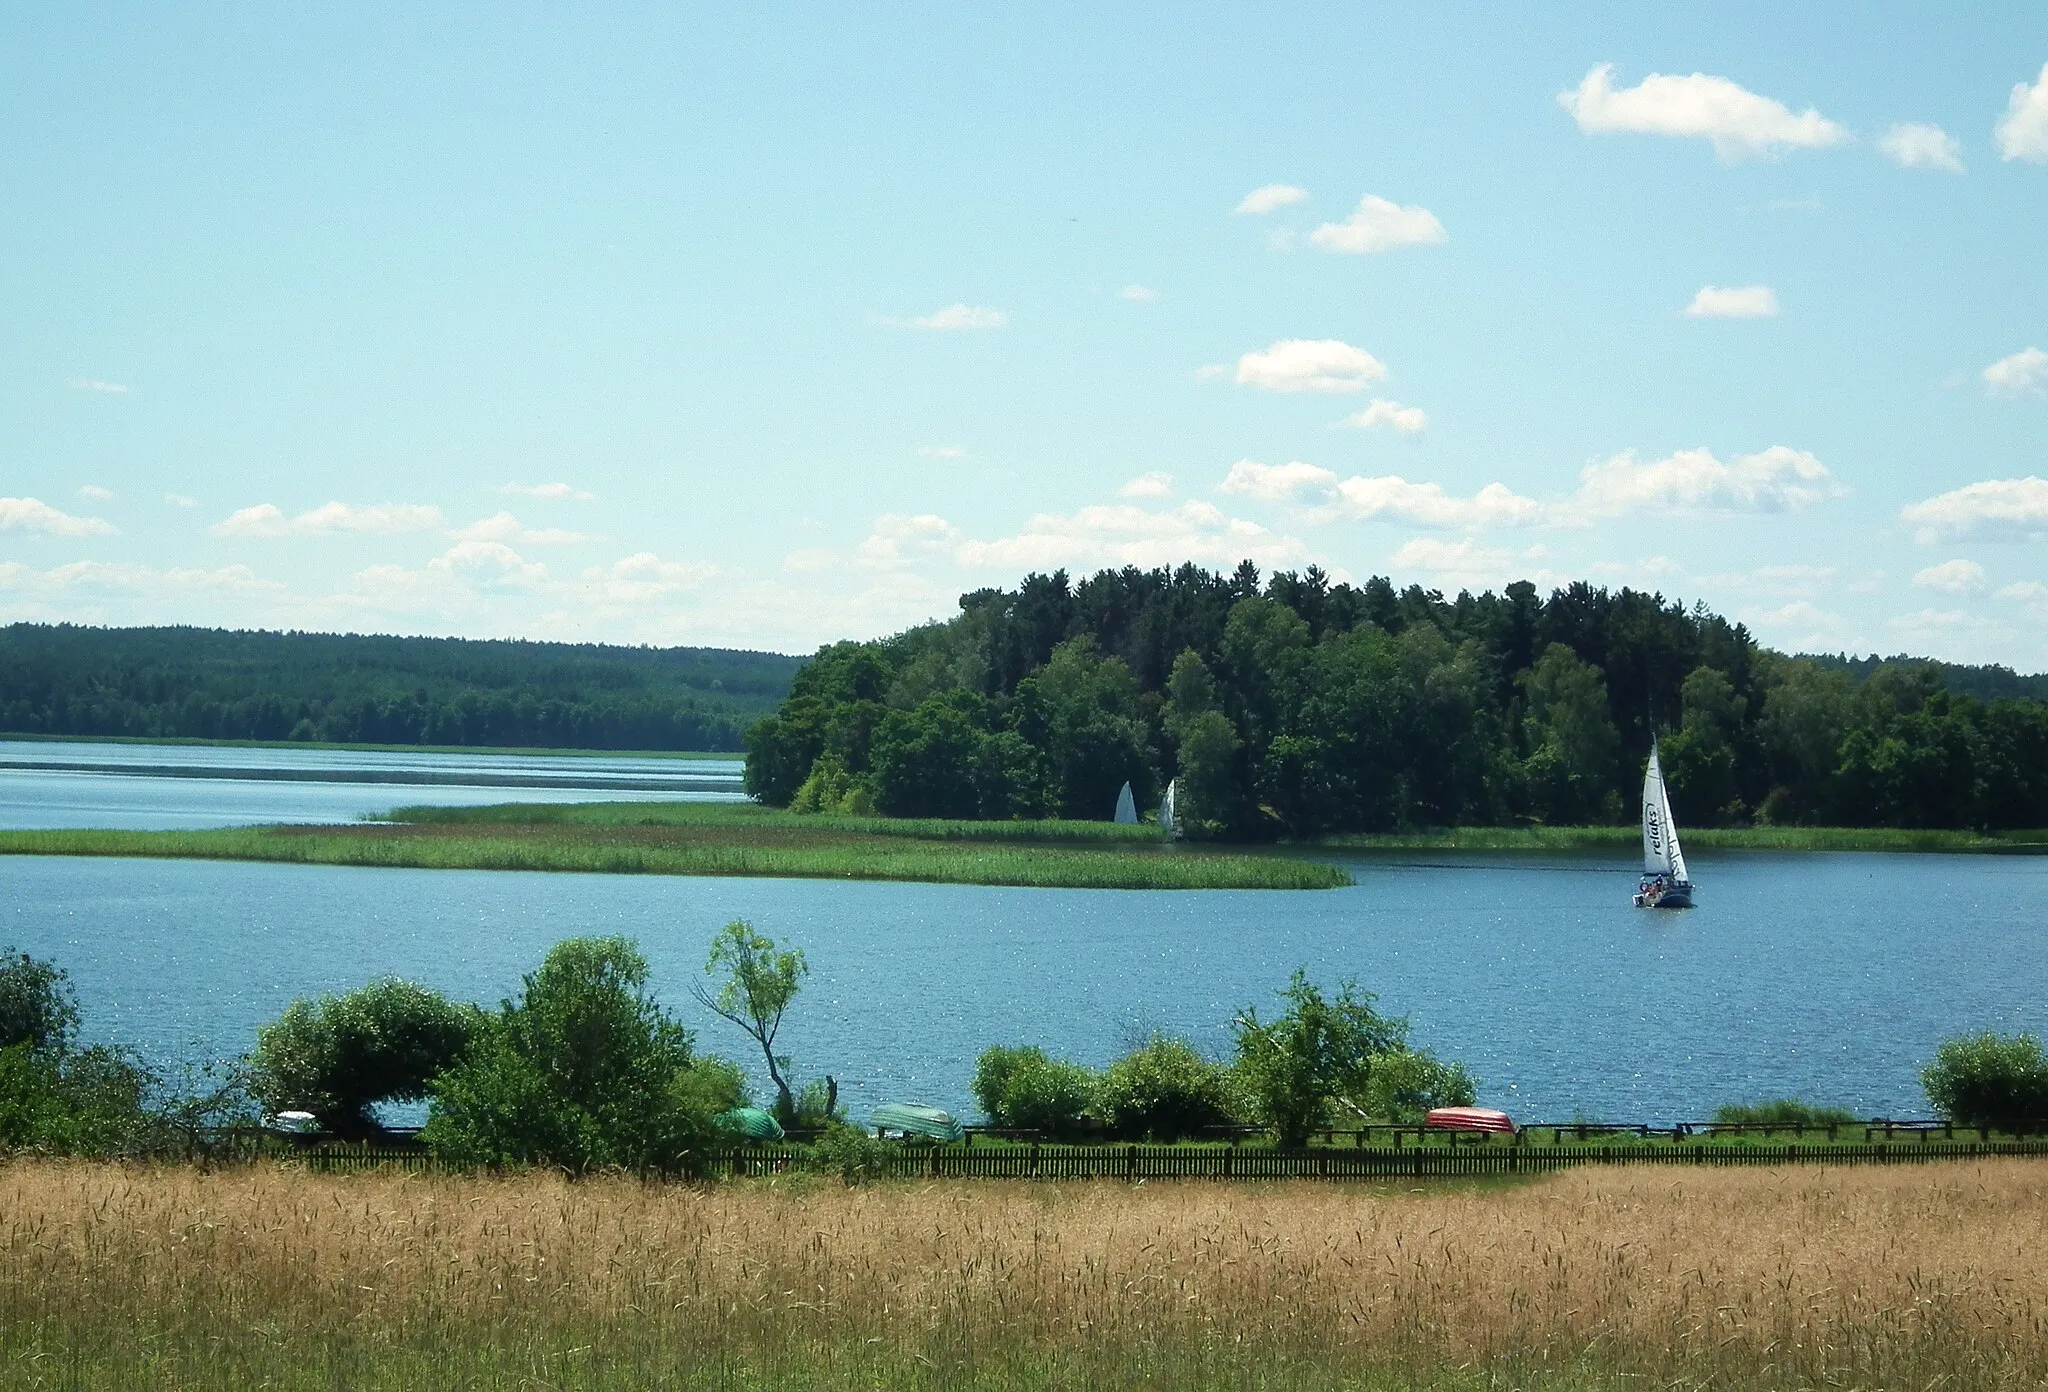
x: 180, y: 500
x: 1994, y: 510
x: 503, y: 526
x: 93, y: 493
x: 1738, y: 123
x: 1156, y: 484
x: 643, y: 577
x: 1409, y: 420
x: 268, y: 520
x: 1137, y: 294
x: 1731, y: 302
x: 1276, y: 483
x: 1911, y: 145
x: 955, y: 317
x: 942, y: 452
x: 1310, y: 365
x: 93, y: 384
x: 1429, y: 505
x: 1379, y: 224
x: 546, y: 492
x: 1124, y: 534
x: 2021, y: 374
x: 1779, y: 479
x: 1270, y: 198
x: 1957, y: 577
x: 2022, y: 132
x: 35, y: 515
x: 900, y: 538
x: 809, y: 560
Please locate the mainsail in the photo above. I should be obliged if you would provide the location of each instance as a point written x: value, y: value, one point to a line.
x: 1661, y: 853
x: 1166, y: 808
x: 1126, y: 807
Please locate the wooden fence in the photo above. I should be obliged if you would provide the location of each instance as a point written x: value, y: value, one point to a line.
x: 1136, y: 1162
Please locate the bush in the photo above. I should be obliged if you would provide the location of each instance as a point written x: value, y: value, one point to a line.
x: 585, y: 1071
x: 1991, y: 1082
x: 1164, y: 1091
x: 852, y: 1153
x: 1403, y: 1086
x: 1024, y: 1088
x: 83, y: 1102
x: 339, y: 1055
x: 1783, y: 1111
x: 37, y: 1007
x: 1315, y: 1053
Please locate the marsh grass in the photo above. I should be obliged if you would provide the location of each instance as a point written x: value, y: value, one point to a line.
x: 726, y: 846
x: 1912, y: 1277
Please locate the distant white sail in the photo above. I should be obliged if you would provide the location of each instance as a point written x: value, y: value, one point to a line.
x: 1166, y: 808
x: 1126, y: 807
x: 1661, y: 853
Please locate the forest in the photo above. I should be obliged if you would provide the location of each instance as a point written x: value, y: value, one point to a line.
x: 198, y: 683
x: 1295, y: 707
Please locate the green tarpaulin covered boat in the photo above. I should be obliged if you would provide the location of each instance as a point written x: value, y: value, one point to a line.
x: 915, y: 1119
x: 750, y: 1122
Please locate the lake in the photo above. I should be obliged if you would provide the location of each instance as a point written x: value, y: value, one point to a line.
x: 163, y: 787
x: 1829, y: 977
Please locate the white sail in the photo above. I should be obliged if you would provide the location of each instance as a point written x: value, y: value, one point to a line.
x: 1671, y: 837
x: 1126, y: 807
x: 1166, y: 808
x: 1659, y: 844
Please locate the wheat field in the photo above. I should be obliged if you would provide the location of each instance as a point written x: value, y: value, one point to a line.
x: 1919, y: 1276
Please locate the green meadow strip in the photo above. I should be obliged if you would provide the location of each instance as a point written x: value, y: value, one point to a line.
x: 875, y: 858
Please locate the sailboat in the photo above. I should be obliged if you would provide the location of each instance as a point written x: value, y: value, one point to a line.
x: 1126, y: 807
x: 1665, y: 884
x: 1167, y: 824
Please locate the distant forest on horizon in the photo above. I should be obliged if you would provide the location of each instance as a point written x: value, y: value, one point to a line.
x: 1291, y: 706
x: 200, y: 683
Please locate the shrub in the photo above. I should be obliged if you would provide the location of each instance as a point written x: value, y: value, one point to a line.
x: 337, y: 1056
x: 82, y: 1102
x: 1025, y: 1088
x: 37, y: 1007
x: 585, y: 1071
x: 1402, y: 1086
x: 1317, y: 1051
x: 1164, y: 1091
x: 1783, y: 1111
x: 1990, y: 1081
x: 852, y: 1153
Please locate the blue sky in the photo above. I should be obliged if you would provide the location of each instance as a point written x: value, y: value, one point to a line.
x: 768, y: 327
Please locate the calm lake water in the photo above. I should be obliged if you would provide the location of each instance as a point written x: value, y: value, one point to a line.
x: 46, y: 784
x: 1829, y: 977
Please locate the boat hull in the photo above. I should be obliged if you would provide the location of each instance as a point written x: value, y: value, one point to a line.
x: 1670, y: 896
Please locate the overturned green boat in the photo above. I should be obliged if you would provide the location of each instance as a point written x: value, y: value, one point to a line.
x: 915, y: 1119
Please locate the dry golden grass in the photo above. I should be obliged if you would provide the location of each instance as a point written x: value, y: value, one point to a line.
x: 1801, y: 1277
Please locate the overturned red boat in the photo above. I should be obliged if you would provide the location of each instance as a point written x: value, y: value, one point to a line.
x: 1469, y: 1119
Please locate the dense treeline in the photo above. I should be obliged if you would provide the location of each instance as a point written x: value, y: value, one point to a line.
x: 201, y: 683
x: 1297, y: 707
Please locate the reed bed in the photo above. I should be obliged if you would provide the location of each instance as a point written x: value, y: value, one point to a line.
x: 1923, y: 1277
x: 1047, y: 830
x: 766, y: 849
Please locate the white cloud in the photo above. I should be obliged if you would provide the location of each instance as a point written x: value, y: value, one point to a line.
x: 93, y: 493
x: 899, y: 538
x: 2031, y: 593
x: 1803, y: 626
x: 267, y: 520
x: 493, y: 561
x: 1428, y: 505
x: 503, y: 526
x: 180, y: 500
x: 1911, y: 145
x: 810, y: 560
x: 547, y: 492
x: 1271, y: 197
x: 1957, y: 577
x: 957, y: 316
x: 1994, y: 510
x: 1276, y: 483
x: 1737, y: 122
x: 942, y: 452
x: 2022, y: 132
x: 35, y: 515
x: 1120, y: 535
x: 2022, y: 373
x: 1310, y: 364
x: 93, y: 384
x: 1409, y: 420
x: 644, y: 576
x: 1779, y: 479
x: 1380, y: 225
x: 1157, y: 484
x: 1137, y: 294
x: 1731, y: 302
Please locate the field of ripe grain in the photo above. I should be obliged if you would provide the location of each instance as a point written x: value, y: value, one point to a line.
x: 1916, y: 1276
